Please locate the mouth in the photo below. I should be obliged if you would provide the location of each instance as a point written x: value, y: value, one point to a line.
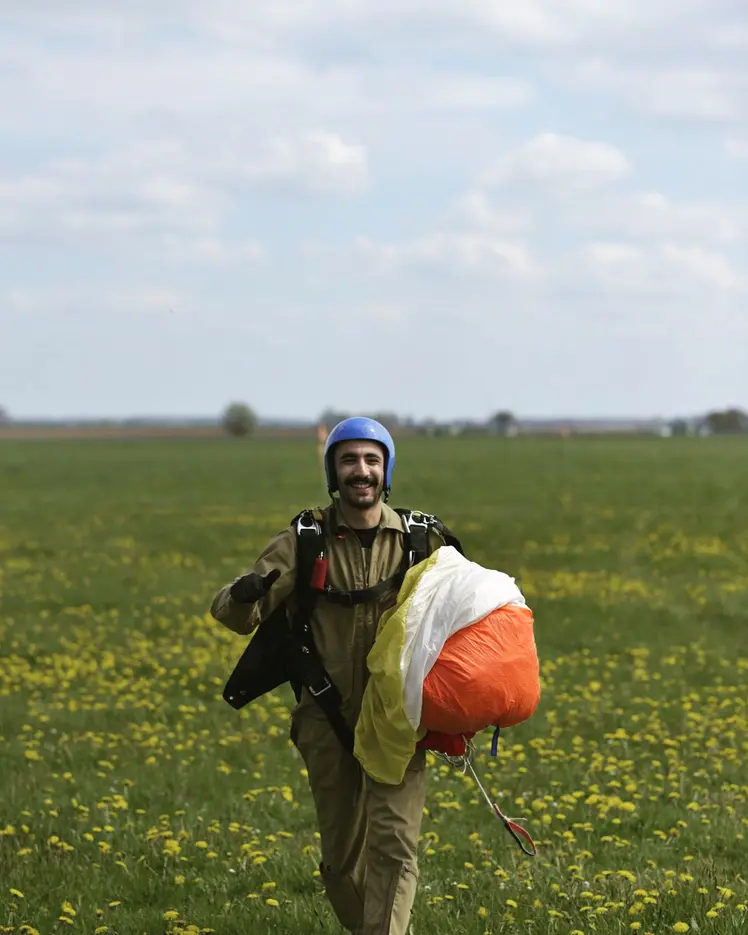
x: 360, y: 485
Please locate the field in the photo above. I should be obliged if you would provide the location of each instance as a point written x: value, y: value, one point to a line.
x: 134, y: 800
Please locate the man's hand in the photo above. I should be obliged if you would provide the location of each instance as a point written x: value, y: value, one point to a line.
x: 251, y: 588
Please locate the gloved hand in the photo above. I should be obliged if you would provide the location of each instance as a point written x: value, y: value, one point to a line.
x: 251, y: 588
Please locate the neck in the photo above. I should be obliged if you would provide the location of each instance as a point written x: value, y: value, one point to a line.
x: 360, y: 519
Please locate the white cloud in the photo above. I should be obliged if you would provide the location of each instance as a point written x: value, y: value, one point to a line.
x: 147, y: 301
x: 533, y: 23
x: 384, y: 313
x: 732, y: 36
x: 737, y: 148
x: 706, y: 266
x: 163, y: 186
x: 666, y: 269
x: 468, y: 92
x: 464, y: 253
x: 476, y: 210
x: 649, y: 215
x: 649, y: 243
x: 682, y: 91
x: 318, y: 162
x: 562, y: 161
x: 160, y: 146
x: 213, y: 251
x: 226, y: 91
x: 98, y: 301
x: 146, y: 188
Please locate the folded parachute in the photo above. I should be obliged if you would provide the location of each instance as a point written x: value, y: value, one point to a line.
x: 456, y: 654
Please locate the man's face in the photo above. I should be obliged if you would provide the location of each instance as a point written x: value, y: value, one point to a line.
x: 360, y: 470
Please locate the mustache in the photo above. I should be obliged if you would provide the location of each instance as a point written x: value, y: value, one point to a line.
x: 370, y: 481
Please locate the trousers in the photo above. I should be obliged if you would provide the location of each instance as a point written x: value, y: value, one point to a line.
x: 368, y: 831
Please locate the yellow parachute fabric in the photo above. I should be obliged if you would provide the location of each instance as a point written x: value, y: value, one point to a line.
x: 384, y: 739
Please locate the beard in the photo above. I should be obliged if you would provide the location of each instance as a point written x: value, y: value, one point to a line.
x: 360, y: 498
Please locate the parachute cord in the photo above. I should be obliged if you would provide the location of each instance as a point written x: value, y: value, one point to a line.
x: 464, y: 763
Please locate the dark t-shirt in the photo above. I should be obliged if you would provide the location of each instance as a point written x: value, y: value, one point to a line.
x: 366, y: 536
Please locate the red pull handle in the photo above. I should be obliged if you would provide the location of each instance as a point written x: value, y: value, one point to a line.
x: 319, y: 573
x: 517, y: 832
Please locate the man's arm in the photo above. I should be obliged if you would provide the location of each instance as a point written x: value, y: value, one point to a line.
x: 244, y: 616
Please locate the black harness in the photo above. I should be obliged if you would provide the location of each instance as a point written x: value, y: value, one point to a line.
x: 282, y: 648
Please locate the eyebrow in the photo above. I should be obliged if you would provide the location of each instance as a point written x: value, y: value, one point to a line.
x: 369, y: 454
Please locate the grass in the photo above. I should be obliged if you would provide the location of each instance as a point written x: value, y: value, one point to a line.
x: 134, y: 800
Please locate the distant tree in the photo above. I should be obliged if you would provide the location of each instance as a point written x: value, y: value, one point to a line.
x: 239, y: 419
x: 727, y: 422
x: 502, y: 422
x: 5, y: 418
x: 390, y: 420
x: 330, y: 418
x: 678, y: 428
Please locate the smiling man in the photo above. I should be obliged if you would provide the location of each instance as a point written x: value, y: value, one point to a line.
x: 368, y: 830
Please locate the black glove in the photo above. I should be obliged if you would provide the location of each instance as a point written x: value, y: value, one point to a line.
x: 251, y: 588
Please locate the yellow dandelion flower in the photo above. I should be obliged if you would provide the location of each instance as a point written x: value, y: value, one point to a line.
x: 17, y: 893
x: 272, y: 902
x: 681, y: 927
x: 170, y: 915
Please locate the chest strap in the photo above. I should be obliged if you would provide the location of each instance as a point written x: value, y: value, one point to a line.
x: 363, y: 596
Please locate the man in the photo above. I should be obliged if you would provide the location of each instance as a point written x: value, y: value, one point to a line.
x: 368, y: 831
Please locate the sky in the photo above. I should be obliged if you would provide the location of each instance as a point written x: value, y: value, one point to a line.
x: 441, y: 208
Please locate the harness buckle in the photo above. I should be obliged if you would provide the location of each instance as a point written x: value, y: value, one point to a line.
x: 410, y: 520
x: 313, y: 527
x: 427, y: 520
x: 315, y: 691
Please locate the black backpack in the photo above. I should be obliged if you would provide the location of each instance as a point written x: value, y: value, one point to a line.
x: 282, y: 648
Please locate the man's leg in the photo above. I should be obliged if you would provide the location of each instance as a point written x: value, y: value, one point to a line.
x: 395, y: 814
x: 336, y: 783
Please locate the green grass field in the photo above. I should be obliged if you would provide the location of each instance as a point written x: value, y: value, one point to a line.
x: 134, y: 800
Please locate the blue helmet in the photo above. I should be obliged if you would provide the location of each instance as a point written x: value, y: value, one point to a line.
x: 359, y: 428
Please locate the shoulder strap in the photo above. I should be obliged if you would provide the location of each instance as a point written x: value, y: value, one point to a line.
x: 417, y: 539
x: 306, y: 662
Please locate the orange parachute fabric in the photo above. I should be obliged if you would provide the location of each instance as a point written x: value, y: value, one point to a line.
x: 487, y: 674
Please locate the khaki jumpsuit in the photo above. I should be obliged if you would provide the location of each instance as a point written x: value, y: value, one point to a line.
x: 368, y: 830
